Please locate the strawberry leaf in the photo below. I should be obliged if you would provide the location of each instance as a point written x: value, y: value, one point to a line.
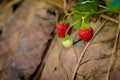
x: 87, y: 6
x: 77, y: 21
x: 114, y: 5
x: 76, y: 26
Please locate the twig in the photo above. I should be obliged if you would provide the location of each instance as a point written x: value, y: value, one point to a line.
x: 59, y: 56
x: 113, y: 51
x: 38, y: 75
x: 75, y: 36
x: 109, y: 18
x: 104, y: 7
x: 83, y: 53
x: 77, y: 41
x: 65, y: 6
x: 55, y: 3
x: 9, y: 5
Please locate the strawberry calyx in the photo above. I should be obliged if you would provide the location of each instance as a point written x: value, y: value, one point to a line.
x: 85, y: 26
x: 63, y: 22
x: 67, y: 37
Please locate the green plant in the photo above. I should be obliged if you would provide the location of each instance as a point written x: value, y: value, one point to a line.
x: 83, y: 12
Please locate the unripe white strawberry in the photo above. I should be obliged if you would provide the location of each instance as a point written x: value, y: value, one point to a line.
x: 67, y: 41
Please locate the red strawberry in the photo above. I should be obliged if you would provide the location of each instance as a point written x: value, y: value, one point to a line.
x: 86, y: 34
x: 62, y: 28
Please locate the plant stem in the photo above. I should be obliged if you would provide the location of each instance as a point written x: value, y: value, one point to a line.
x: 76, y: 12
x: 64, y: 6
x: 76, y: 41
x: 59, y: 56
x: 70, y: 27
x: 83, y: 21
x: 106, y: 10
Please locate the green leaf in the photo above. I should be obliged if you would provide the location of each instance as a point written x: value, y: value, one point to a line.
x: 76, y: 26
x: 87, y: 6
x: 77, y: 22
x: 114, y: 5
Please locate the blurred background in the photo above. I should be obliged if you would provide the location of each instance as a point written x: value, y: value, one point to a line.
x: 31, y: 50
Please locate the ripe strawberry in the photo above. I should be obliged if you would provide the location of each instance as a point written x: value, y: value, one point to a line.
x: 62, y: 28
x: 86, y: 34
x: 67, y: 41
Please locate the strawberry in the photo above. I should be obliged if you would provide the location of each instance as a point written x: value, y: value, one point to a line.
x: 62, y: 28
x: 86, y: 34
x: 67, y: 41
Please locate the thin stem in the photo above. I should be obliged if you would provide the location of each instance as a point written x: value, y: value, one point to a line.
x: 106, y: 10
x: 76, y: 12
x: 114, y: 51
x: 70, y: 27
x: 59, y: 56
x: 64, y: 6
x: 60, y: 48
x: 109, y: 18
x: 70, y: 14
x: 83, y: 21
